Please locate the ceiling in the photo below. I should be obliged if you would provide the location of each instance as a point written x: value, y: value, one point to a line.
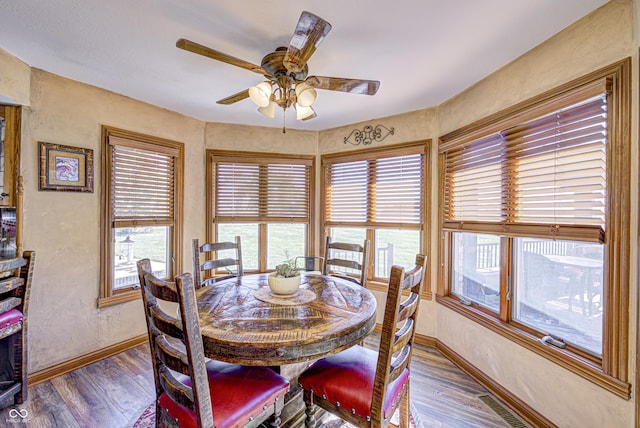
x: 422, y: 51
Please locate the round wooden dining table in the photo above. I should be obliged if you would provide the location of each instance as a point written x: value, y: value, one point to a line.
x: 239, y: 326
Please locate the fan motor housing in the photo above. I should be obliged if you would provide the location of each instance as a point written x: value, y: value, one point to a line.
x: 274, y: 64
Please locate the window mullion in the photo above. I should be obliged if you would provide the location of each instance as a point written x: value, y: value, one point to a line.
x: 262, y: 191
x: 509, y: 188
x: 371, y: 236
x: 371, y: 190
x: 262, y: 243
x: 506, y: 278
x: 262, y: 212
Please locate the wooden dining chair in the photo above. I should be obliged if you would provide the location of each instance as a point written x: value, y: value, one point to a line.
x: 343, y: 255
x: 190, y: 390
x: 15, y: 285
x: 365, y: 387
x: 205, y: 270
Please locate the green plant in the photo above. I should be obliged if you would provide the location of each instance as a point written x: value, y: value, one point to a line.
x: 287, y: 269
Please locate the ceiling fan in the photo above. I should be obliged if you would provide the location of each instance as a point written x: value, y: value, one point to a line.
x: 286, y: 71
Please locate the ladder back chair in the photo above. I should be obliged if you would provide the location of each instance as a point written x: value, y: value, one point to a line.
x: 365, y: 387
x: 204, y: 269
x: 346, y: 255
x: 190, y: 390
x: 15, y: 286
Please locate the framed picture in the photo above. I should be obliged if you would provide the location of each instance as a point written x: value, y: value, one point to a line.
x: 65, y: 168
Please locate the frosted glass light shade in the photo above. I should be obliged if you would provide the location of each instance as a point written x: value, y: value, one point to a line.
x: 260, y: 93
x: 303, y: 113
x: 305, y: 94
x: 269, y: 110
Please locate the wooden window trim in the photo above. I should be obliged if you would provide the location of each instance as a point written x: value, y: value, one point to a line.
x: 612, y: 372
x: 262, y: 158
x: 422, y: 147
x: 111, y: 135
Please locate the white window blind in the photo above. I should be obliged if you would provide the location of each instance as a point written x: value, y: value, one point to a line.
x: 143, y: 185
x: 347, y: 192
x: 261, y: 191
x: 474, y: 181
x: 237, y: 190
x: 287, y: 191
x: 547, y: 171
x: 384, y: 191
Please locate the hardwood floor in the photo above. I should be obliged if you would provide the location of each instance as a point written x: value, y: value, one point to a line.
x: 109, y: 393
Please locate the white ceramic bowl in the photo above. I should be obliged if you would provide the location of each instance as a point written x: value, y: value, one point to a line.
x: 284, y: 286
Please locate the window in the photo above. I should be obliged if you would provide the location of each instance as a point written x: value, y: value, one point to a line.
x: 378, y: 194
x: 267, y: 200
x: 142, y: 210
x: 531, y: 238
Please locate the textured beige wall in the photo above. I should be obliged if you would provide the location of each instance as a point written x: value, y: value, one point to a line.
x: 413, y: 126
x: 64, y: 227
x: 223, y: 136
x: 562, y: 397
x: 15, y: 78
x: 599, y: 39
x: 568, y: 400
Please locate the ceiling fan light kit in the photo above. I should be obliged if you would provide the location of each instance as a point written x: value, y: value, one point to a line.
x: 305, y: 94
x: 269, y: 110
x: 304, y: 112
x: 286, y: 72
x: 261, y: 94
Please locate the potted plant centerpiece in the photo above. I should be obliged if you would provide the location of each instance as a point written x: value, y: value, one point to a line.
x: 286, y: 278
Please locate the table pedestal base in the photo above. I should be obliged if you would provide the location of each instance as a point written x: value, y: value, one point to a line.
x: 293, y: 415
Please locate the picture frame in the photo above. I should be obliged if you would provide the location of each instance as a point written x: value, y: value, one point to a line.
x: 65, y: 168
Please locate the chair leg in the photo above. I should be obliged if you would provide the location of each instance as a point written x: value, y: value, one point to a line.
x: 276, y: 421
x: 310, y: 421
x: 403, y: 420
x: 276, y: 413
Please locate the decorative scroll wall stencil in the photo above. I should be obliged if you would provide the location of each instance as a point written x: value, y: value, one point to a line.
x: 368, y: 135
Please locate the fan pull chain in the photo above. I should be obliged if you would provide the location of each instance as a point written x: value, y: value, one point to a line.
x: 284, y: 121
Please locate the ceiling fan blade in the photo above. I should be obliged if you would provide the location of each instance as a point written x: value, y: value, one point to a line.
x: 199, y: 49
x: 309, y: 32
x: 234, y: 98
x: 352, y: 86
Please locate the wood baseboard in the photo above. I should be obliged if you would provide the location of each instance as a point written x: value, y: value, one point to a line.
x: 523, y: 410
x: 84, y: 360
x: 423, y: 340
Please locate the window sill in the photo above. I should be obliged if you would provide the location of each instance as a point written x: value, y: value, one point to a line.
x: 569, y: 361
x: 116, y: 299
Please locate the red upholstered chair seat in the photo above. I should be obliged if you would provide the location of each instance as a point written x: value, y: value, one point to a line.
x: 348, y: 378
x: 237, y: 393
x: 9, y: 318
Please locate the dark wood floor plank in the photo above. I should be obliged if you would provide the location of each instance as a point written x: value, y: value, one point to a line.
x: 111, y: 392
x: 45, y: 407
x: 443, y: 394
x: 86, y: 401
x: 119, y: 389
